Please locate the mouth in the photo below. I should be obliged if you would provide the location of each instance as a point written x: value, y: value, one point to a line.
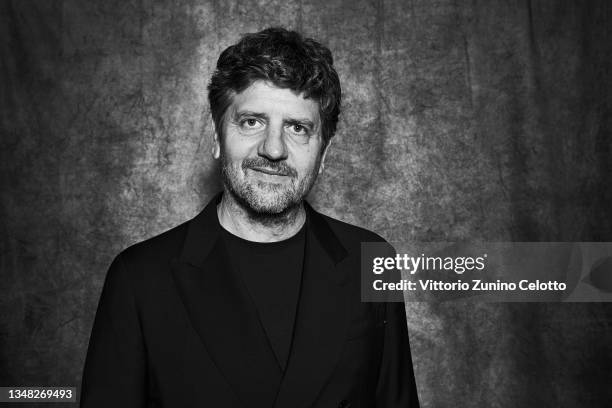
x: 272, y: 172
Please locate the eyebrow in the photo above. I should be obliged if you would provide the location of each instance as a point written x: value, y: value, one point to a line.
x: 242, y: 114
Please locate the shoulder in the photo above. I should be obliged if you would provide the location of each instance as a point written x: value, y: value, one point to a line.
x: 350, y: 234
x: 142, y: 266
x: 152, y: 257
x: 166, y: 245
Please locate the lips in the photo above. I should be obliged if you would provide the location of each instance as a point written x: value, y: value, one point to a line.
x: 272, y: 172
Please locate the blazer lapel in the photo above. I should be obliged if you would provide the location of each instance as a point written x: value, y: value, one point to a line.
x: 321, y: 319
x: 222, y: 313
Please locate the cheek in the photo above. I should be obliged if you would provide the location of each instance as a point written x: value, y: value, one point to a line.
x: 236, y: 146
x: 306, y: 160
x: 304, y: 168
x: 235, y: 152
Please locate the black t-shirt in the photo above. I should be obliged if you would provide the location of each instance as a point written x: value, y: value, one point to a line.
x: 272, y: 273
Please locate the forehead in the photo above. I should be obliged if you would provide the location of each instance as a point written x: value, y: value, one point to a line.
x: 266, y: 98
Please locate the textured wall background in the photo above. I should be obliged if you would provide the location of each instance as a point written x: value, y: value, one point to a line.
x: 485, y: 119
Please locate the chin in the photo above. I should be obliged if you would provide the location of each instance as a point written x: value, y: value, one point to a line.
x: 266, y: 198
x: 270, y: 204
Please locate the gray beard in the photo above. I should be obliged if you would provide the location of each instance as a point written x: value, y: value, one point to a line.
x: 278, y: 206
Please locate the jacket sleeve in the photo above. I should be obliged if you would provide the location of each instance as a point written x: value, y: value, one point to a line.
x: 115, y: 367
x: 396, y: 383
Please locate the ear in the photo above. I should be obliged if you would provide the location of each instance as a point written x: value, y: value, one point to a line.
x: 323, y: 155
x: 216, y: 145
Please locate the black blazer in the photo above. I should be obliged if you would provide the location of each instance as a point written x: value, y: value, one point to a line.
x: 176, y: 328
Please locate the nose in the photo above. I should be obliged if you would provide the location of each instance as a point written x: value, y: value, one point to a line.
x: 273, y: 147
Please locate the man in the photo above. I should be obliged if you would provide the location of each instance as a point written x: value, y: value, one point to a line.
x: 256, y: 301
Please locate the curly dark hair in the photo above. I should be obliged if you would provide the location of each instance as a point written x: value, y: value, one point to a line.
x: 285, y: 59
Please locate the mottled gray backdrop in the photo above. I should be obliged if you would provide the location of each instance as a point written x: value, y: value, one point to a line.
x: 474, y: 119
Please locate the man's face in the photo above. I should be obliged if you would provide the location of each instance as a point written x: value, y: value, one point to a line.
x: 271, y: 148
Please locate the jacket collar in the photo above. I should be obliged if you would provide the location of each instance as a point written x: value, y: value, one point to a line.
x: 203, y: 232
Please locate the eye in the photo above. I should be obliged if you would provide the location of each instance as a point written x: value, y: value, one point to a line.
x: 298, y: 129
x: 250, y: 124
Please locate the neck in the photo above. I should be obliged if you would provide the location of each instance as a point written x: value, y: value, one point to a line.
x: 246, y: 224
